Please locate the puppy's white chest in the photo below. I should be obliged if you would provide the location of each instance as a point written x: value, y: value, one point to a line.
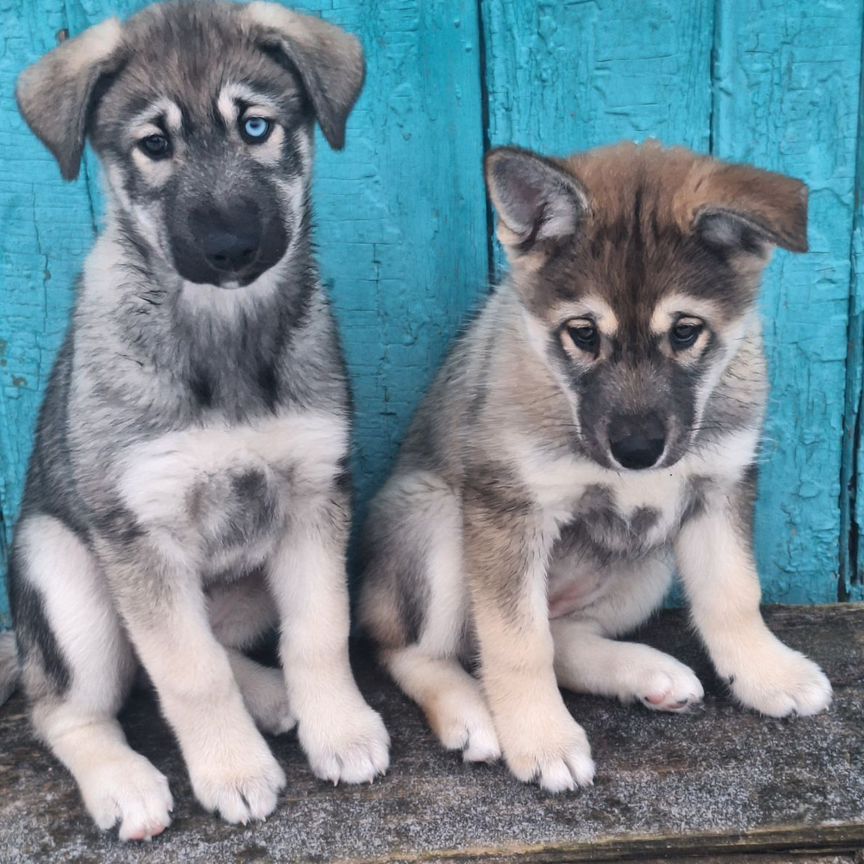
x: 158, y: 476
x: 649, y: 502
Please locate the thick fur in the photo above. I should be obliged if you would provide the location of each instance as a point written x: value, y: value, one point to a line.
x: 188, y: 489
x: 510, y: 531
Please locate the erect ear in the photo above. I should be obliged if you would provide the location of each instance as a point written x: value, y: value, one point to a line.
x: 56, y: 94
x: 329, y: 61
x: 744, y: 209
x: 536, y: 199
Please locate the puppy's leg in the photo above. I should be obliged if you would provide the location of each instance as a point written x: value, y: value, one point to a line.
x: 587, y: 661
x: 505, y: 555
x: 242, y: 612
x: 450, y: 698
x: 722, y: 585
x: 78, y: 720
x: 414, y: 537
x: 342, y: 736
x: 230, y: 765
x: 264, y: 693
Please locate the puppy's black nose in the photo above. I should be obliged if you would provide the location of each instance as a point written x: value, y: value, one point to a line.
x: 229, y: 240
x: 231, y: 249
x: 636, y: 440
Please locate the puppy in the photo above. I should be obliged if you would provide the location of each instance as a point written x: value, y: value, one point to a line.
x: 596, y: 427
x: 188, y: 489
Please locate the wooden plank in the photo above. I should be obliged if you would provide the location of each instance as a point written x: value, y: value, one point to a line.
x: 401, y: 213
x: 698, y: 787
x: 401, y: 217
x: 567, y: 77
x: 787, y: 79
x: 46, y: 231
x: 852, y: 479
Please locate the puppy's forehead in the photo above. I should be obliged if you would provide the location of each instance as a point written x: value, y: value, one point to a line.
x: 188, y: 54
x: 635, y: 249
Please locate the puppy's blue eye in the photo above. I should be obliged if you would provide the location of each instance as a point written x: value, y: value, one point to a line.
x: 255, y: 130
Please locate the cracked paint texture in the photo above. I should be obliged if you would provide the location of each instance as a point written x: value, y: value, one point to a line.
x: 403, y: 229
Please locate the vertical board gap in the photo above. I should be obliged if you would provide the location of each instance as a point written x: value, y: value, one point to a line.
x: 850, y: 576
x: 484, y: 119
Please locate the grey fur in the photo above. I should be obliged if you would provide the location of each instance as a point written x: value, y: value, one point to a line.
x: 163, y: 345
x: 8, y: 665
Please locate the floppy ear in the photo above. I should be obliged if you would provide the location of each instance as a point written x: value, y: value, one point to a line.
x: 536, y: 199
x: 745, y: 209
x: 329, y: 61
x: 56, y: 94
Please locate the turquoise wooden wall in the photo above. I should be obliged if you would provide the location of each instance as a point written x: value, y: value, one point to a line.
x: 404, y: 229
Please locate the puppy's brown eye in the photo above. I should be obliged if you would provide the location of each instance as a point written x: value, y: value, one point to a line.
x: 155, y: 146
x: 684, y: 334
x: 584, y: 334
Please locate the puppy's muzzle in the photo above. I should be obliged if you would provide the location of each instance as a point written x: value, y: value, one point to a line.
x: 636, y: 441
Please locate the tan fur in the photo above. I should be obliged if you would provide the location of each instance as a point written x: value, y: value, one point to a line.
x: 562, y: 546
x: 681, y: 186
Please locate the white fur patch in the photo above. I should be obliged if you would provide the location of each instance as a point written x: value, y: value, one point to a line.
x: 230, y: 300
x: 722, y: 585
x: 590, y: 306
x: 78, y: 607
x: 558, y: 483
x: 159, y: 473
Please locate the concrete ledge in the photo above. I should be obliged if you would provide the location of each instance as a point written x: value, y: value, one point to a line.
x: 720, y: 785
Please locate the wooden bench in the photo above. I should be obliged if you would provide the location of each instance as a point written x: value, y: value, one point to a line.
x: 718, y: 785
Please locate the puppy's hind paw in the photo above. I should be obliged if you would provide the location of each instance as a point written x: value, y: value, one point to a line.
x: 674, y: 689
x: 468, y: 728
x: 266, y: 698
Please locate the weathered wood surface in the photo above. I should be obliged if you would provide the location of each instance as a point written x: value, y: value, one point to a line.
x: 770, y: 112
x: 697, y: 787
x: 402, y: 220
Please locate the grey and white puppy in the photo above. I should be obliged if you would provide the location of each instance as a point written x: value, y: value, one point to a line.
x: 188, y: 488
x: 598, y: 424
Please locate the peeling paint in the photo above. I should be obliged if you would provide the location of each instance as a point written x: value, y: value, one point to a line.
x: 404, y: 229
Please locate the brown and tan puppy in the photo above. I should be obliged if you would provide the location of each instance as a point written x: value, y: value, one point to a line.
x: 597, y: 427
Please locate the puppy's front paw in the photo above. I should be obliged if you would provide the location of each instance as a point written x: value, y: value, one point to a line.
x: 349, y: 745
x: 778, y: 681
x: 557, y: 756
x: 132, y: 792
x: 242, y: 786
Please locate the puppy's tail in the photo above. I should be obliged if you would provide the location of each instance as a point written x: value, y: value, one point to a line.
x: 8, y: 665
